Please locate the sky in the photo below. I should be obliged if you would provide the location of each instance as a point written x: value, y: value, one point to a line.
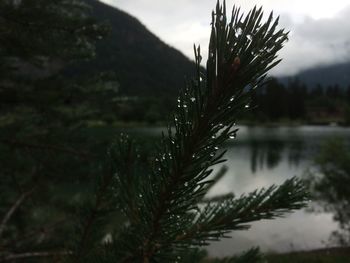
x: 319, y: 29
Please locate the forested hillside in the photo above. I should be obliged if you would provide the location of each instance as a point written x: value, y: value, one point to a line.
x: 142, y: 63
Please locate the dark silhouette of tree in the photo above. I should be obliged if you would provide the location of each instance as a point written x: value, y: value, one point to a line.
x: 274, y: 102
x: 297, y: 95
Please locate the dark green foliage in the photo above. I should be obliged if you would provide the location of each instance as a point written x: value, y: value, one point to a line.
x: 329, y: 185
x: 37, y: 30
x: 46, y: 146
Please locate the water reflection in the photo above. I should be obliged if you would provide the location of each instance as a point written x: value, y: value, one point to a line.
x: 269, y: 153
x: 295, y: 154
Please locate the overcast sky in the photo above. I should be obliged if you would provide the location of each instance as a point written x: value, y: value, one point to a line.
x: 320, y: 29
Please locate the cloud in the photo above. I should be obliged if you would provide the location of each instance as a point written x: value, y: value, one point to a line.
x: 320, y: 30
x: 315, y: 42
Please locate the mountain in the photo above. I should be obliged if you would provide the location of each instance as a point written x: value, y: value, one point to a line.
x: 142, y: 63
x: 145, y: 65
x: 326, y: 75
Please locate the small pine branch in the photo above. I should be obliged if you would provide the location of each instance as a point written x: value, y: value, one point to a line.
x: 93, y: 216
x: 164, y: 204
x: 217, y: 219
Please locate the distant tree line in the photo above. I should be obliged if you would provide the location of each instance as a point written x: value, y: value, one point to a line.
x: 274, y: 102
x: 295, y: 101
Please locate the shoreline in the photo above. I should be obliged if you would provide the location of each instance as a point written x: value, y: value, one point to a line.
x: 323, y: 255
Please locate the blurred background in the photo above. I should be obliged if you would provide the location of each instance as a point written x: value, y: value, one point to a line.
x: 70, y: 84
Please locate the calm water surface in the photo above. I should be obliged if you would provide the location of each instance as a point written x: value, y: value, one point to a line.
x: 259, y: 157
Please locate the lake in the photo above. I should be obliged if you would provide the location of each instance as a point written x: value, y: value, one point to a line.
x: 259, y: 157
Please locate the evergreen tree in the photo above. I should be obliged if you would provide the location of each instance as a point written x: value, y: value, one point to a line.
x: 43, y: 116
x: 348, y: 95
x: 275, y: 102
x: 296, y: 100
x: 36, y: 29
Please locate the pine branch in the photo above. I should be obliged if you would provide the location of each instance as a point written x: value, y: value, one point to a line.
x: 13, y: 209
x: 217, y: 198
x: 240, y: 53
x: 217, y: 219
x: 217, y: 177
x: 95, y: 213
x: 125, y: 155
